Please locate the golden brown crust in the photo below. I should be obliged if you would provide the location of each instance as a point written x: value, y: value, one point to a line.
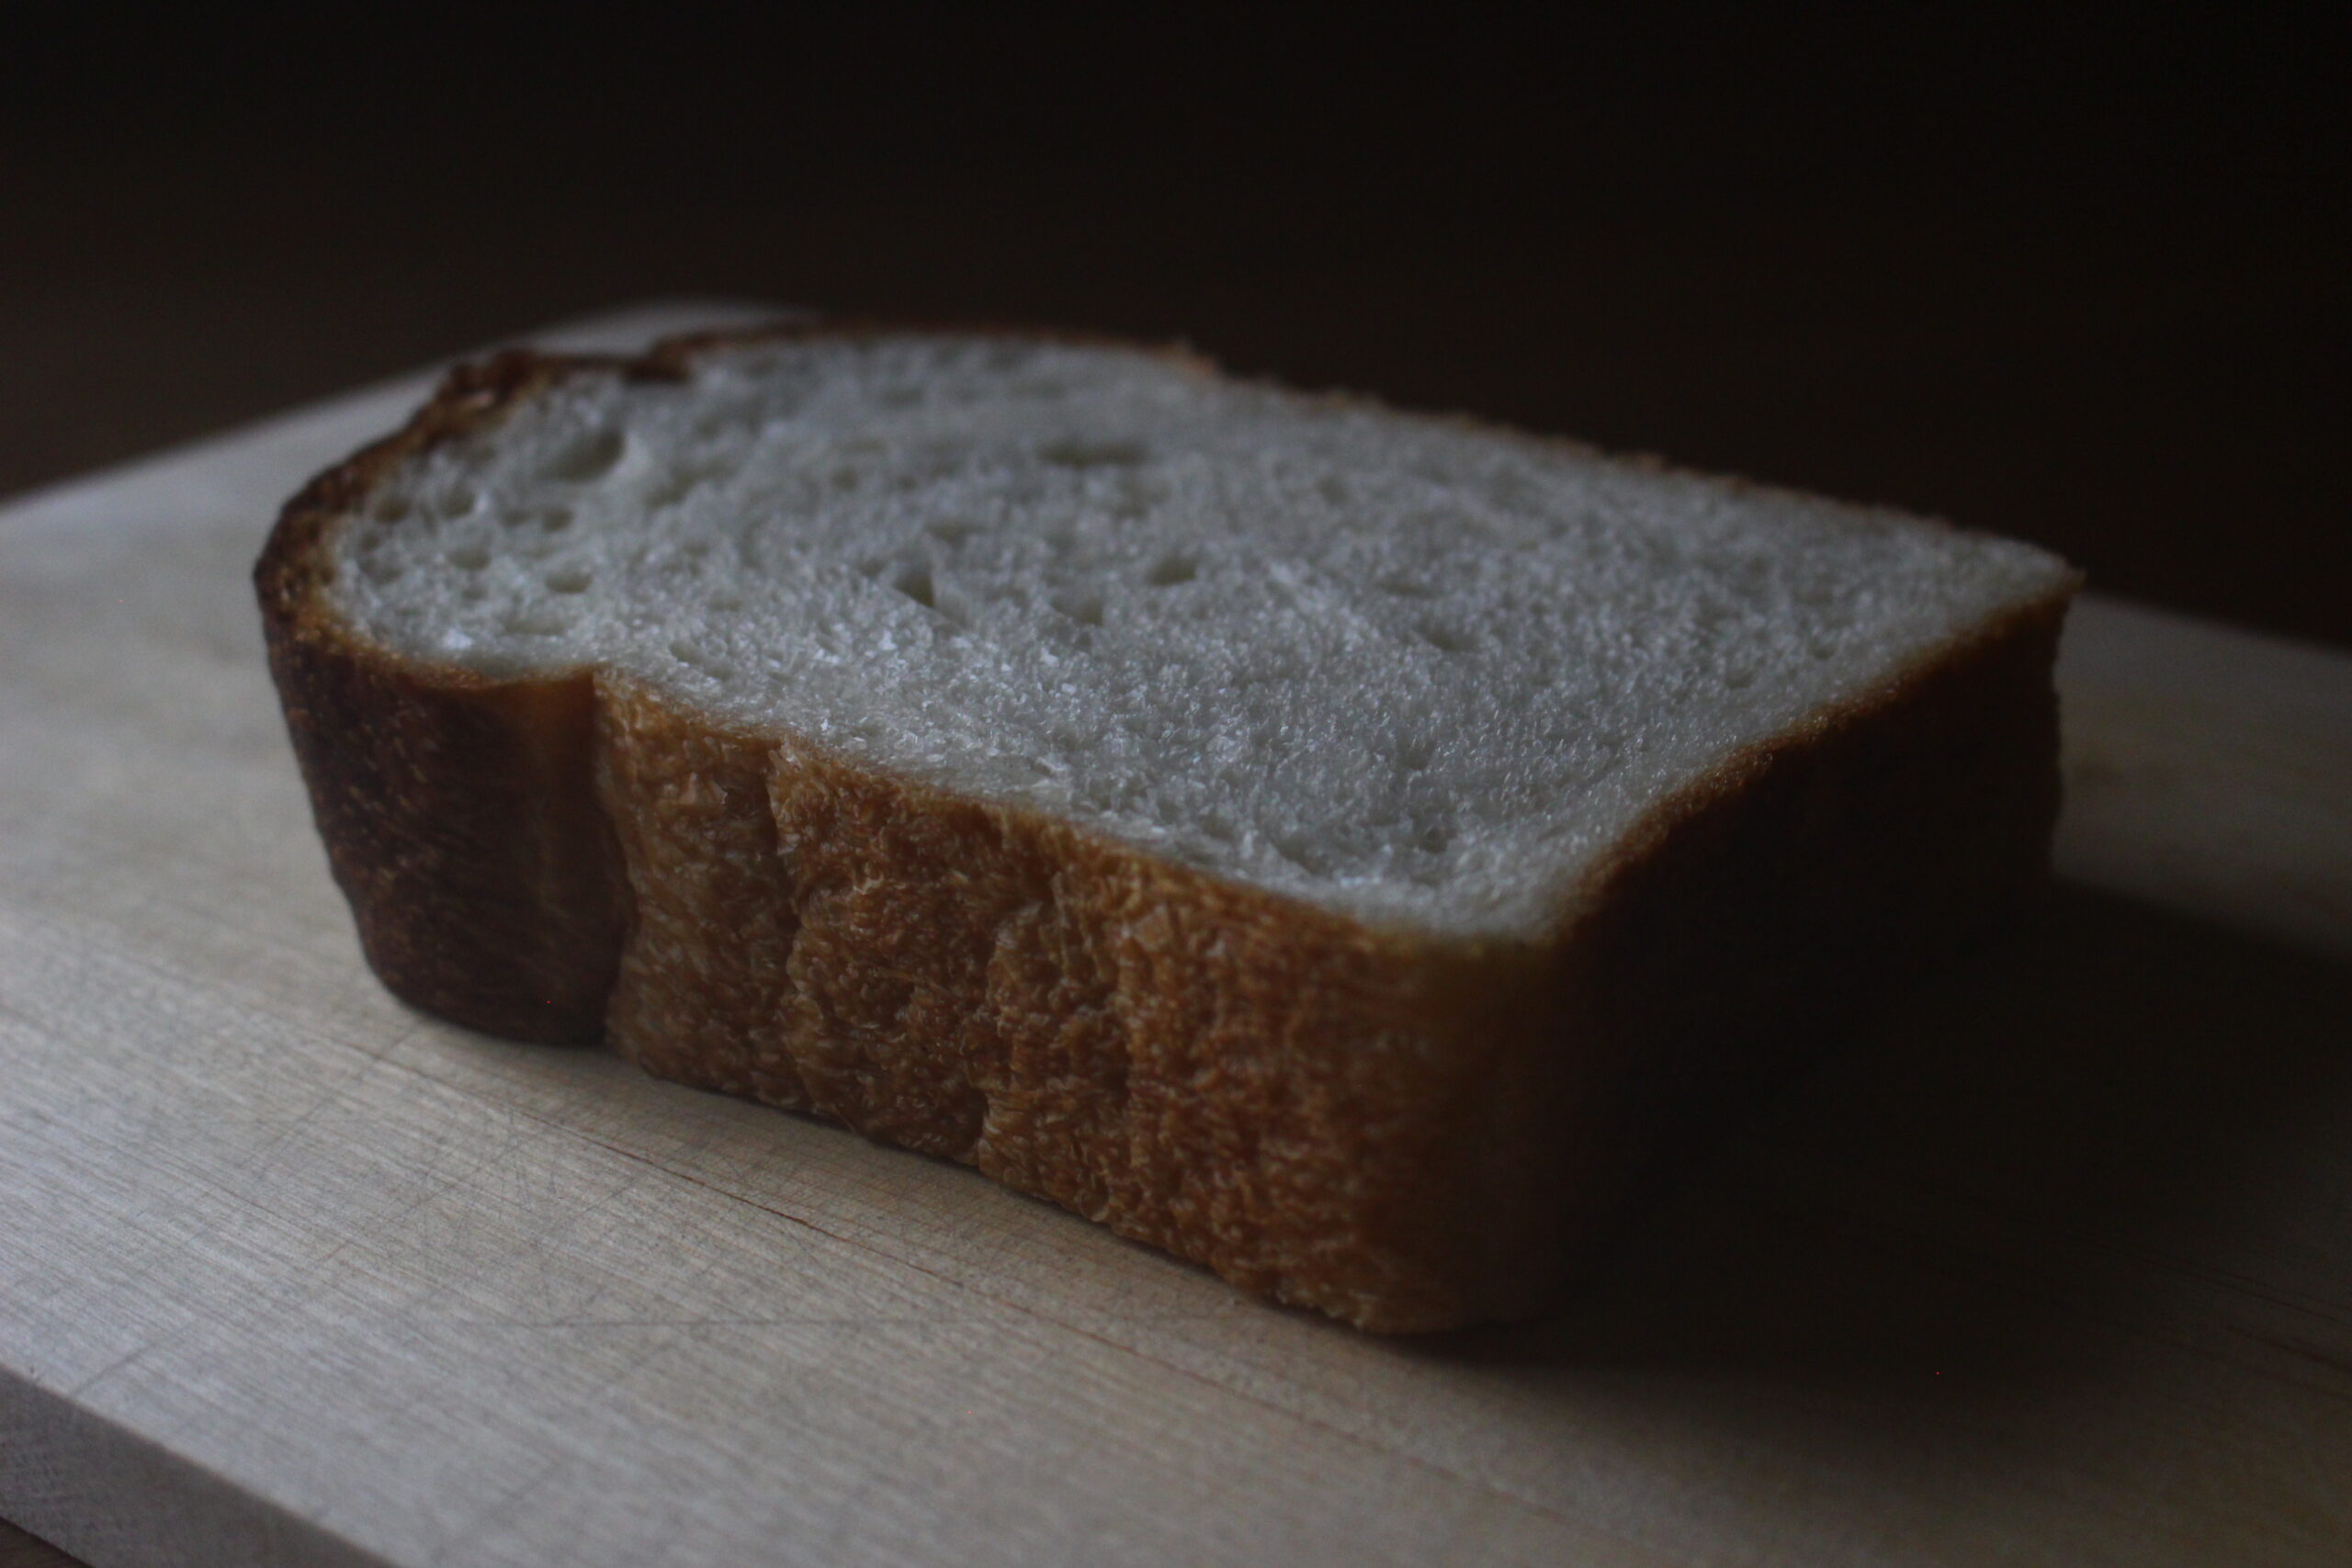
x: 458, y: 813
x: 460, y: 824
x: 1406, y: 1131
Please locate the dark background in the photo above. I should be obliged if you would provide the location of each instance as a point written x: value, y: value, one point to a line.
x: 2077, y: 279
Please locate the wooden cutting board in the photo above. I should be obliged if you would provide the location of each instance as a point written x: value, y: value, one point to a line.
x: 2055, y: 1267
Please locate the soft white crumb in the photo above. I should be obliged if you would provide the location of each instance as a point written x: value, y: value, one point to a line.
x: 1398, y: 666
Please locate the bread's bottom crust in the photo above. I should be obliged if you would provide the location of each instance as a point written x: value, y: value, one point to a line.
x: 1405, y: 1133
x: 1409, y: 1135
x: 1268, y: 1089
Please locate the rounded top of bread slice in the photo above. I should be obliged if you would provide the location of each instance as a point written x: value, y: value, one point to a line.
x: 1416, y: 671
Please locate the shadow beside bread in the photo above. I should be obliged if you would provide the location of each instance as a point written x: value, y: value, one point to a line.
x: 2069, y: 1134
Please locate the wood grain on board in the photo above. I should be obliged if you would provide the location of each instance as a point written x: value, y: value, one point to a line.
x: 2054, y: 1265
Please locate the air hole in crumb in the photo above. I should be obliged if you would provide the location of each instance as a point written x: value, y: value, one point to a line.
x: 898, y: 397
x: 1171, y: 569
x: 1435, y: 839
x: 693, y: 658
x: 1739, y: 679
x: 1334, y: 490
x: 556, y: 519
x: 1305, y: 855
x: 1415, y: 755
x: 672, y: 489
x: 457, y: 501
x: 592, y: 456
x: 1443, y: 637
x: 914, y: 581
x: 1405, y: 587
x: 390, y: 509
x: 470, y: 558
x: 1093, y: 453
x: 951, y: 532
x: 570, y: 579
x: 1084, y: 608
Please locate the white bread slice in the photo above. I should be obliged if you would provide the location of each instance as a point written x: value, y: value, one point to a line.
x: 1329, y: 843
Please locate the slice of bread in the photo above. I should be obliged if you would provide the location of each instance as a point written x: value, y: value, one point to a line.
x: 1336, y: 846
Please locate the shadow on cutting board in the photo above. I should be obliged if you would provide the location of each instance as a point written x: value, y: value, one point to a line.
x: 2113, y: 1120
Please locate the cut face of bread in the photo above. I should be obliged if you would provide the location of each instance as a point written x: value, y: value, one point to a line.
x: 1337, y: 846
x: 1411, y: 671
